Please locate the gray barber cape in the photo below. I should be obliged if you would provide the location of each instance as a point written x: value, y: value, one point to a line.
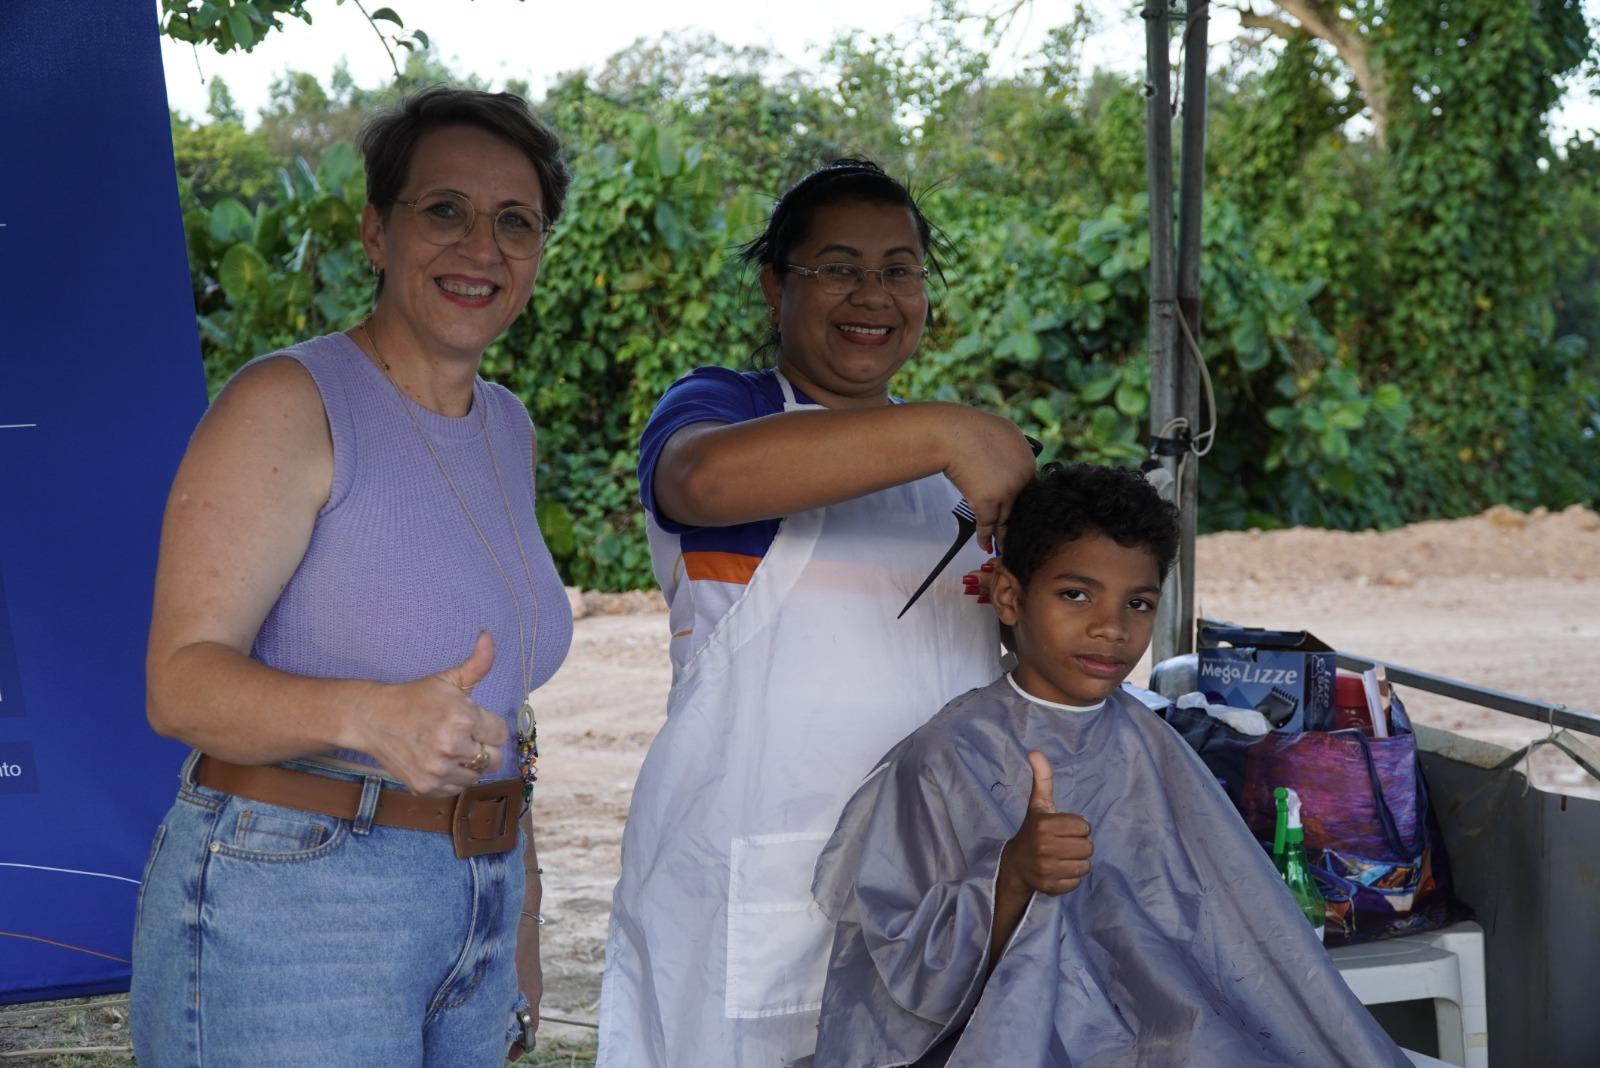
x: 1182, y: 947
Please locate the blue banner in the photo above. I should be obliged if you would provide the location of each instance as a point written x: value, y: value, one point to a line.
x: 100, y: 386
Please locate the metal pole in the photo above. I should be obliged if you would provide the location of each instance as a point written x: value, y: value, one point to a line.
x: 1191, y: 188
x: 1572, y: 719
x: 1165, y: 373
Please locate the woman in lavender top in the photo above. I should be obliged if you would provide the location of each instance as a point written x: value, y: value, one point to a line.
x: 353, y: 605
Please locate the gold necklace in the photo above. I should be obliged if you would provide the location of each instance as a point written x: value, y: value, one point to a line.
x: 527, y: 724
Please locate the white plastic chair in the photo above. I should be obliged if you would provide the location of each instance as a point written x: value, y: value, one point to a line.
x: 1445, y: 966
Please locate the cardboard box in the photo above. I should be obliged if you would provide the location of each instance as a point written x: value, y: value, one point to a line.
x: 1285, y: 675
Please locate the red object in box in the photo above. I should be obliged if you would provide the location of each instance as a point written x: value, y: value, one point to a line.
x: 1350, y: 703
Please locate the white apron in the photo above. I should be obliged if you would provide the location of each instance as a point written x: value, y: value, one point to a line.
x: 717, y: 953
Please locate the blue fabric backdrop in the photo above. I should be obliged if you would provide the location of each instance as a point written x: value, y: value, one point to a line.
x: 100, y: 387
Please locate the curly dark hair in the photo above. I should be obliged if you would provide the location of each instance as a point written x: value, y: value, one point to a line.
x: 1066, y: 501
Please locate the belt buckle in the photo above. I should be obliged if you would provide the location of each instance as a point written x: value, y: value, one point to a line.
x: 485, y: 818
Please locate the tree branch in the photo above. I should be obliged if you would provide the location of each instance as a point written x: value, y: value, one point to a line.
x: 1320, y: 19
x: 1275, y: 26
x: 381, y: 38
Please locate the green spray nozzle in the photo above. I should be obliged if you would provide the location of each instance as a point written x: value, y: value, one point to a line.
x: 1280, y: 830
x: 1287, y: 831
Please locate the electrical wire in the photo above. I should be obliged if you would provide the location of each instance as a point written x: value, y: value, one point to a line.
x: 62, y: 945
x: 1203, y: 441
x: 1193, y: 346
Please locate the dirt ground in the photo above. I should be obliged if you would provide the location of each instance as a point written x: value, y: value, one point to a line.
x: 1503, y: 600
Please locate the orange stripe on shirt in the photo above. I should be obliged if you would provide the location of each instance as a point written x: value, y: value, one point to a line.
x: 720, y: 567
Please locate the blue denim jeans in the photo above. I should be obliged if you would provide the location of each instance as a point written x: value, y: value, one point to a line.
x: 270, y: 936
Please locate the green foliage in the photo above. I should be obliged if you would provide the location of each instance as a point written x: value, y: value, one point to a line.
x: 221, y: 159
x: 240, y: 25
x: 1045, y: 324
x: 640, y: 286
x: 1576, y: 251
x: 220, y: 105
x: 561, y: 1053
x: 1392, y: 334
x: 303, y: 118
x: 1434, y: 263
x: 227, y: 25
x: 1468, y: 221
x: 284, y: 271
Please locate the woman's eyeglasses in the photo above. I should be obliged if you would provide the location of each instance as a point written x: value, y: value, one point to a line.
x: 447, y: 217
x: 837, y: 279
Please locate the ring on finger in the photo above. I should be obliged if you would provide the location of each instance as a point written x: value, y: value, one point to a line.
x: 481, y: 761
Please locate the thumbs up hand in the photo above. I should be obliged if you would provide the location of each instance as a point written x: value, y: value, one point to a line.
x: 1043, y: 797
x: 430, y: 734
x: 1050, y: 852
x: 467, y: 674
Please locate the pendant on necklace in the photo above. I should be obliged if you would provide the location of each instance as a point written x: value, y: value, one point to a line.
x: 527, y: 748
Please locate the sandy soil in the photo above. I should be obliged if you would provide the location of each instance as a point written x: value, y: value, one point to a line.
x: 1503, y: 600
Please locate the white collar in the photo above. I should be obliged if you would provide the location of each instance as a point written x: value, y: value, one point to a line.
x: 1052, y: 704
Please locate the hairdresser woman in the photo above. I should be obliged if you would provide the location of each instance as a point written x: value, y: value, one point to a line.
x: 792, y: 512
x: 353, y: 604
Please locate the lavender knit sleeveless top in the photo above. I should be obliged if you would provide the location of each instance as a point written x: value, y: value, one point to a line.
x: 395, y: 585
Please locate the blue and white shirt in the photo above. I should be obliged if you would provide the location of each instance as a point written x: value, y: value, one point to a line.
x: 702, y: 571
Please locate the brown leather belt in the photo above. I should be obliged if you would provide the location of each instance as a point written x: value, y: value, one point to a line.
x: 480, y: 819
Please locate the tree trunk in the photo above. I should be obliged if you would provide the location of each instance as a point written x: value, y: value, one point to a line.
x: 1320, y: 19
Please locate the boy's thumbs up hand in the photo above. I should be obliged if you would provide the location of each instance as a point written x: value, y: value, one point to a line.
x: 1044, y: 784
x: 1050, y: 852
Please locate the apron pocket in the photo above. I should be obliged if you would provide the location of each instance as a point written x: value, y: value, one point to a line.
x: 778, y: 938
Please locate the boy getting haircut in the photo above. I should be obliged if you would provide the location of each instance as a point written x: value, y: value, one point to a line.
x: 1045, y: 874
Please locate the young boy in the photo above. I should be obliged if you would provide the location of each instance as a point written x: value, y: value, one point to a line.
x: 973, y: 926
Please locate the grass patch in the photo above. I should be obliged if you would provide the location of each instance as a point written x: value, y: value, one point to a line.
x: 562, y: 1053
x: 41, y: 1035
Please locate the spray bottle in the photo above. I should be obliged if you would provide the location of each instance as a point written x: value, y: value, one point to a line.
x: 1289, y: 857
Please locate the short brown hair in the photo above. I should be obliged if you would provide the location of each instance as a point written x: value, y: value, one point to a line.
x: 390, y: 137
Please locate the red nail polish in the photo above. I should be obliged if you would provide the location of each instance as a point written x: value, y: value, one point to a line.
x: 983, y: 598
x: 988, y: 566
